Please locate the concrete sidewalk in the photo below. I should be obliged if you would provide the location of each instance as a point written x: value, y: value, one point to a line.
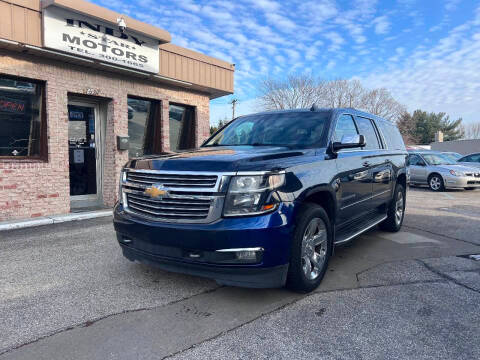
x: 54, y: 219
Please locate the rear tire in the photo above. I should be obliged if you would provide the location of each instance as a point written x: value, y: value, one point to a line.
x: 435, y: 182
x: 396, y: 211
x: 312, y: 246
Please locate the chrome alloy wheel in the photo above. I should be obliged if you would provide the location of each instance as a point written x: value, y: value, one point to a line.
x: 399, y: 208
x: 435, y: 183
x: 314, y: 248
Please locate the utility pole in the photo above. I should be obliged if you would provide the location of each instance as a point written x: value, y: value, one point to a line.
x: 233, y: 102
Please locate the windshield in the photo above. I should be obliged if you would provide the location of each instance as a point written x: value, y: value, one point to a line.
x: 437, y: 159
x: 292, y: 129
x: 452, y: 156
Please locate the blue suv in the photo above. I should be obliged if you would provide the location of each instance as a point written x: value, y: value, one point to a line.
x: 264, y: 201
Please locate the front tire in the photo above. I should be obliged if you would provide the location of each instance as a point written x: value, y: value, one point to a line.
x: 311, y: 249
x: 396, y: 211
x: 435, y: 182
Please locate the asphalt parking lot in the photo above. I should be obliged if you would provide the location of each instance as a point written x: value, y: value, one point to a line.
x: 67, y: 293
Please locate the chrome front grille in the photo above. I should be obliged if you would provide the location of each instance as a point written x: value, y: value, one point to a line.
x: 193, y: 181
x: 169, y: 209
x: 189, y: 198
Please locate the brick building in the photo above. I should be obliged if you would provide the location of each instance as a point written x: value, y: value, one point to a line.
x: 82, y: 89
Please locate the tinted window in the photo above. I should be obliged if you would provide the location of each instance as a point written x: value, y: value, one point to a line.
x: 365, y: 128
x: 345, y: 127
x: 143, y: 127
x: 392, y: 136
x: 294, y: 129
x: 471, y: 158
x: 182, y: 127
x: 415, y: 160
x: 21, y: 116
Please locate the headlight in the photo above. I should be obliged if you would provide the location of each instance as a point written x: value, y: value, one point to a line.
x: 457, y: 173
x: 250, y: 195
x: 122, y: 179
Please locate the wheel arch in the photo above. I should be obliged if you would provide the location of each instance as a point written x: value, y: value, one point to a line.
x: 323, y: 196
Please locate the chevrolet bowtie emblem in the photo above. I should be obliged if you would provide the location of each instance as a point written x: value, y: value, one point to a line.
x: 155, y: 191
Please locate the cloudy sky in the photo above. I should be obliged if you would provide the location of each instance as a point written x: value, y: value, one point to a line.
x: 426, y: 52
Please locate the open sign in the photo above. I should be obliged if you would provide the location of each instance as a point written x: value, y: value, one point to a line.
x: 12, y: 105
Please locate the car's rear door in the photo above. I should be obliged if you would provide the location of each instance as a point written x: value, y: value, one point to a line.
x: 379, y: 163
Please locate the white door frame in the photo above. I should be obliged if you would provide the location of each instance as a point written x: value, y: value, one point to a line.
x: 91, y: 200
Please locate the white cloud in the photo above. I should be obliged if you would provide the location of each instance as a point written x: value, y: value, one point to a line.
x: 266, y: 5
x: 331, y: 64
x: 451, y: 5
x: 443, y: 78
x: 336, y: 39
x: 280, y: 22
x: 382, y: 25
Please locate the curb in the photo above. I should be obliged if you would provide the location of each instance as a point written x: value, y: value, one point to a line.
x: 56, y: 219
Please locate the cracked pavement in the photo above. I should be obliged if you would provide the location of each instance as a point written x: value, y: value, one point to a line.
x: 67, y: 293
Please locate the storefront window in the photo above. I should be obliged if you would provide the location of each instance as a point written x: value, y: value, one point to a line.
x: 22, y: 118
x: 143, y: 127
x: 182, y: 127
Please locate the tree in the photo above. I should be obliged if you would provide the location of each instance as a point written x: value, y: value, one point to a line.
x: 301, y: 91
x: 221, y: 123
x: 380, y: 102
x: 406, y: 125
x: 420, y: 127
x: 472, y: 131
x: 292, y: 93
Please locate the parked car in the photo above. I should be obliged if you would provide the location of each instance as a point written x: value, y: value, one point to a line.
x: 454, y: 156
x: 264, y: 200
x: 439, y: 172
x: 472, y: 160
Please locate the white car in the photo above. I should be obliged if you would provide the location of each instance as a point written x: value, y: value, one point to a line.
x: 472, y: 160
x: 440, y: 172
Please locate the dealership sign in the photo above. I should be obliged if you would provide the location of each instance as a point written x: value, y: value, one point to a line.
x: 81, y: 35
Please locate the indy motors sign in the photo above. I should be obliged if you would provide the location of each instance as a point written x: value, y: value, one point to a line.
x: 88, y: 37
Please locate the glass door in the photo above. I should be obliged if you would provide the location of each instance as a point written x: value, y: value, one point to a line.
x: 83, y: 148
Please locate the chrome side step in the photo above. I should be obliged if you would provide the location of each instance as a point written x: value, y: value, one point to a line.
x: 347, y: 236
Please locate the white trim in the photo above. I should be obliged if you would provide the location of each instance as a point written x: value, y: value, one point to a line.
x: 9, y: 42
x: 49, y: 220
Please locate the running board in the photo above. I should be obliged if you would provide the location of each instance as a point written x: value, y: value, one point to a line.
x: 352, y: 232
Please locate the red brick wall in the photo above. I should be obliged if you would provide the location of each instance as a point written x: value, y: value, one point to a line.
x: 30, y: 189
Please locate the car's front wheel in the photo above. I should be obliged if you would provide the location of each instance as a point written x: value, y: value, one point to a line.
x: 435, y: 182
x: 311, y: 249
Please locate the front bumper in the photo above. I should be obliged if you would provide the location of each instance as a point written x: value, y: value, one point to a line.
x: 461, y: 182
x: 170, y: 246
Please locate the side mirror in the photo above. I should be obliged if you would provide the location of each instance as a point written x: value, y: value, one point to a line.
x: 349, y: 142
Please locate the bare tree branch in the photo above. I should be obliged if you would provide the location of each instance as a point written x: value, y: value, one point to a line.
x: 301, y: 91
x: 472, y: 131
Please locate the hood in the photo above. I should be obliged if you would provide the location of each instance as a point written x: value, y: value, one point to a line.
x: 457, y: 167
x: 471, y: 165
x: 222, y: 158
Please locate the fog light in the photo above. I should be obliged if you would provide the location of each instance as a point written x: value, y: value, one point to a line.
x: 246, y: 255
x: 242, y: 255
